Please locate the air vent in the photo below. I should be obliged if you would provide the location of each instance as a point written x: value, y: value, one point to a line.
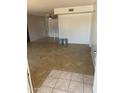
x: 71, y: 10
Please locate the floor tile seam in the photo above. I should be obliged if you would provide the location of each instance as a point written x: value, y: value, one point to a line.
x: 78, y: 81
x: 80, y: 78
x: 65, y: 79
x: 75, y: 81
x: 83, y: 84
x: 57, y: 88
x: 48, y: 86
x: 70, y: 82
x: 55, y: 84
x: 61, y: 89
x: 45, y: 87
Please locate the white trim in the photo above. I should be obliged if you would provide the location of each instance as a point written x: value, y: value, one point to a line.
x: 29, y: 81
x: 77, y: 9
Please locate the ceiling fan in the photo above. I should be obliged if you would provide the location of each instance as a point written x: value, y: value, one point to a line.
x: 52, y: 16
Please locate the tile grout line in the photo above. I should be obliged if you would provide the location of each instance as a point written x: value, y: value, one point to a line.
x: 83, y: 83
x: 62, y: 79
x: 55, y: 83
x: 69, y: 82
x: 75, y: 81
x: 48, y: 86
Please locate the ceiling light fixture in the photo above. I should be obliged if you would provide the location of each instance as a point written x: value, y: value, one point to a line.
x: 50, y: 17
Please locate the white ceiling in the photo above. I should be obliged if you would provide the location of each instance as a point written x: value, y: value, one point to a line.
x: 42, y: 7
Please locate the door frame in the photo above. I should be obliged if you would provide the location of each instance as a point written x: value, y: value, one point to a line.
x: 30, y: 86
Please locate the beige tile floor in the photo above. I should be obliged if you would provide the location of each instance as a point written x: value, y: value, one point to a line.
x: 66, y: 82
x: 46, y: 55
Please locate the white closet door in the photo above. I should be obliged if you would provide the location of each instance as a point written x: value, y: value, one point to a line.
x: 75, y: 27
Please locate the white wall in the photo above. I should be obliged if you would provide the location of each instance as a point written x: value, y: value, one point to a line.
x: 53, y: 28
x: 37, y: 27
x: 75, y: 27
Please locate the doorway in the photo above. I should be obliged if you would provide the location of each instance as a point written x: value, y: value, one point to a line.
x: 28, y: 36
